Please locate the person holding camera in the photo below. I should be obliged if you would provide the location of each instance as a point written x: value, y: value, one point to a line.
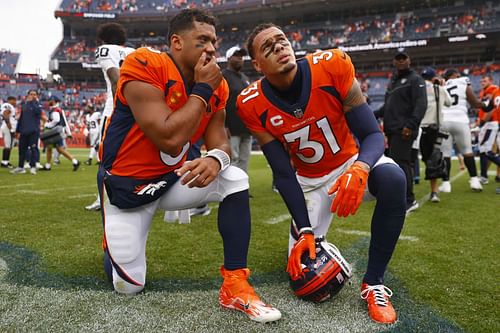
x: 437, y: 98
x: 56, y: 119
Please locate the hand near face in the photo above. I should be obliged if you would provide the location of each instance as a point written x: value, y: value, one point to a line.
x: 207, y: 71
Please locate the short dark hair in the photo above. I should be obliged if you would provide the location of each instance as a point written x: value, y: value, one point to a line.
x: 255, y: 32
x: 185, y: 21
x: 29, y: 91
x: 11, y: 98
x: 112, y: 33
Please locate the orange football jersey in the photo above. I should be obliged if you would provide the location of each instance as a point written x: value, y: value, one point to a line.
x: 314, y: 129
x: 126, y: 150
x: 492, y: 92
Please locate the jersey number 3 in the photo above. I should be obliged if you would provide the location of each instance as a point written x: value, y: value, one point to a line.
x: 303, y: 136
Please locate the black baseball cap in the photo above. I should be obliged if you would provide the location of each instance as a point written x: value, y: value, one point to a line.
x: 401, y: 53
x: 428, y: 73
x: 449, y: 72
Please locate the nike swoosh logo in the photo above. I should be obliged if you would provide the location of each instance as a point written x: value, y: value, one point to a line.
x: 143, y: 62
x: 420, y: 85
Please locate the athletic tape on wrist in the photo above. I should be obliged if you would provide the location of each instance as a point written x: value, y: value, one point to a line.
x: 220, y: 156
x: 202, y: 90
x: 306, y: 230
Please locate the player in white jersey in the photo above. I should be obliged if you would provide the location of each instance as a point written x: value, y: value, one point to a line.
x: 8, y: 129
x: 456, y: 123
x: 93, y: 119
x: 109, y: 56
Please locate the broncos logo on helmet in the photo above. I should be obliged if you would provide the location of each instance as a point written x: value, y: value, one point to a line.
x: 323, y: 277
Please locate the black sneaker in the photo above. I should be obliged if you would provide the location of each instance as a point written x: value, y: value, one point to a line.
x: 434, y: 197
x: 76, y: 166
x: 412, y: 207
x: 88, y: 162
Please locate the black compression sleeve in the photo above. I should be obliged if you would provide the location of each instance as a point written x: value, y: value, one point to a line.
x: 286, y: 182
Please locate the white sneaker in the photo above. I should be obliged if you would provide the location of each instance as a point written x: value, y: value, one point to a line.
x: 18, y: 170
x: 200, y: 211
x: 445, y: 187
x: 33, y: 171
x: 96, y: 205
x: 475, y: 184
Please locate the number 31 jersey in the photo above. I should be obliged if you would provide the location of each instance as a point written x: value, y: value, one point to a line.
x: 314, y: 130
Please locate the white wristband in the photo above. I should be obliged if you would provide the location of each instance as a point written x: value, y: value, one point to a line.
x: 306, y: 230
x: 220, y: 156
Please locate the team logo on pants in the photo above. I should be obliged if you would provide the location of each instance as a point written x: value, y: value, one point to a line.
x: 149, y: 188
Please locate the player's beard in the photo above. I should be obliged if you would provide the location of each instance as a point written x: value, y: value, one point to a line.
x: 288, y: 68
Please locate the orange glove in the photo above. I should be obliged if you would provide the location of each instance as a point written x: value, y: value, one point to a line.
x: 304, y: 244
x: 350, y: 188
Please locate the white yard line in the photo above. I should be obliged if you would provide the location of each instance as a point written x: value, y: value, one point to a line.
x: 36, y: 192
x: 17, y: 185
x: 426, y: 197
x: 366, y: 233
x: 78, y: 196
x: 278, y: 219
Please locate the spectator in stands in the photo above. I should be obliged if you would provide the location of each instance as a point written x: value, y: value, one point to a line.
x: 404, y: 107
x: 8, y: 128
x: 437, y: 97
x: 28, y: 131
x: 54, y: 119
x: 241, y: 140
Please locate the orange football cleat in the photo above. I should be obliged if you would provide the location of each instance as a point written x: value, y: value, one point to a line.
x: 236, y: 293
x: 380, y: 308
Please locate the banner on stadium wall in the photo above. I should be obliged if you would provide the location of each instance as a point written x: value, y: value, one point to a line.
x: 106, y: 16
x: 421, y: 42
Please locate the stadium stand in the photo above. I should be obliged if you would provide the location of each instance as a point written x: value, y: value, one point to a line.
x: 369, y: 35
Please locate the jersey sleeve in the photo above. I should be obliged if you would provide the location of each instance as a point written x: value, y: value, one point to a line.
x: 338, y: 64
x: 248, y: 116
x: 222, y: 94
x: 143, y: 65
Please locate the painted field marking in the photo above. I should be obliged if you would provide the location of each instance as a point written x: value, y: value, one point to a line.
x: 36, y: 192
x: 85, y: 195
x: 426, y: 197
x: 278, y: 219
x: 368, y: 234
x: 17, y: 185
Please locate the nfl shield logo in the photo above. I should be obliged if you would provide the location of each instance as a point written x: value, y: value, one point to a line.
x: 298, y: 113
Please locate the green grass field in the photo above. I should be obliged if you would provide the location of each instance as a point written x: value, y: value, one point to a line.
x: 444, y: 273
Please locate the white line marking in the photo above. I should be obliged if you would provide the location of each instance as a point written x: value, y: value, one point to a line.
x: 78, y: 196
x: 17, y: 185
x: 426, y: 197
x: 366, y: 233
x: 32, y: 192
x: 278, y: 219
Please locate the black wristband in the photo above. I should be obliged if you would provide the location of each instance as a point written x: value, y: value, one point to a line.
x: 203, y: 90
